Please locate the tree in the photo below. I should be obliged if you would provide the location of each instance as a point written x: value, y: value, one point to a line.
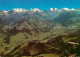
x: 77, y: 50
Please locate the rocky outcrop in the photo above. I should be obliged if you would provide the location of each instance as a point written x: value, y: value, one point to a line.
x: 56, y: 42
x: 34, y: 48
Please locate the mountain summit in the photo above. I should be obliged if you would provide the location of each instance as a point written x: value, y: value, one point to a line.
x: 38, y: 10
x: 61, y: 16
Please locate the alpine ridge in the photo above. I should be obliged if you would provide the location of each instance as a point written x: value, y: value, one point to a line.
x: 38, y: 10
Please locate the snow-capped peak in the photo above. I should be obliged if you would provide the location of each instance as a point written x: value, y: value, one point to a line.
x: 72, y: 9
x: 19, y: 10
x: 51, y: 9
x: 5, y: 12
x: 36, y: 9
x: 66, y: 9
x: 54, y: 9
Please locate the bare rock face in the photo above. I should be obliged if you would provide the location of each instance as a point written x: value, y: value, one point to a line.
x: 56, y: 42
x: 28, y: 49
x: 34, y: 48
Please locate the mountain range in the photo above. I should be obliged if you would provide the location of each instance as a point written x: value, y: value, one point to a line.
x: 62, y: 16
x: 28, y: 30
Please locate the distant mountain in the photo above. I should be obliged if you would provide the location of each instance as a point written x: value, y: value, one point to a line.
x: 35, y: 31
x: 68, y: 17
x: 62, y: 16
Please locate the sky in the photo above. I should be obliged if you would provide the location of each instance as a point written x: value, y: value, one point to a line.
x: 41, y: 4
